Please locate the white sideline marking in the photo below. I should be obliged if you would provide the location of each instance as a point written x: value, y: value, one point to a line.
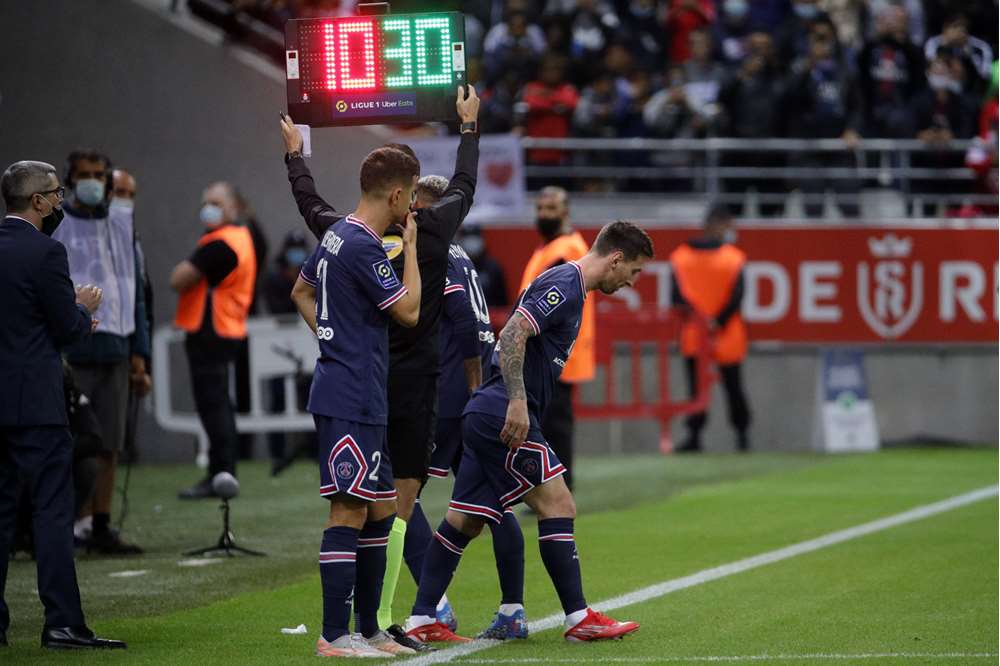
x: 129, y: 574
x: 739, y: 566
x: 737, y: 658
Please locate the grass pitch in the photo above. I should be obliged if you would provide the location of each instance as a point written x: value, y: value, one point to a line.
x: 925, y: 592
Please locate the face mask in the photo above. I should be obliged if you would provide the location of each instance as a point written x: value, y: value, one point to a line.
x: 90, y: 191
x: 548, y: 226
x: 295, y: 256
x: 123, y: 203
x: 52, y: 220
x: 210, y: 215
x: 473, y: 245
x: 939, y: 82
x: 806, y: 12
x: 730, y: 236
x: 736, y: 8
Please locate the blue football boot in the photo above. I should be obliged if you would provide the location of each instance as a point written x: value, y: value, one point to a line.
x: 506, y: 627
x: 446, y: 616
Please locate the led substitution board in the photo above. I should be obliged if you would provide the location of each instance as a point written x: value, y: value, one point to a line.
x: 373, y: 70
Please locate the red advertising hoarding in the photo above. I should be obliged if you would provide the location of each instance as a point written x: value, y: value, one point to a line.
x: 826, y: 284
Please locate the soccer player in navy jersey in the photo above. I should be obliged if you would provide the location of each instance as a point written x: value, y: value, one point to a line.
x: 413, y: 352
x: 347, y: 292
x: 506, y: 460
x: 467, y: 342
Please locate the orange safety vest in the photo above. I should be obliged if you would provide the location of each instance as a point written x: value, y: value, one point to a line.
x: 580, y: 364
x: 231, y: 297
x: 706, y: 278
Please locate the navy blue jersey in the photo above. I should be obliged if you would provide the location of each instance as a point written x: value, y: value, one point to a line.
x: 553, y: 305
x: 355, y: 284
x: 465, y: 332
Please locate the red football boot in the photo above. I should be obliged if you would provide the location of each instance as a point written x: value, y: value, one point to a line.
x: 599, y: 627
x: 436, y: 632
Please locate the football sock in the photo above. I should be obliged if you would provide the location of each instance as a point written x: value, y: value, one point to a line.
x: 558, y: 550
x: 508, y: 551
x: 337, y: 570
x: 439, y: 566
x: 394, y: 560
x: 372, y: 542
x: 418, y: 538
x: 102, y: 523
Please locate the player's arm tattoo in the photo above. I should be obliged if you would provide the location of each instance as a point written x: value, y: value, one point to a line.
x: 512, y: 340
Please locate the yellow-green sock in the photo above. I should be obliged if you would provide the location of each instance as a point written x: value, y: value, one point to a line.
x: 393, y: 563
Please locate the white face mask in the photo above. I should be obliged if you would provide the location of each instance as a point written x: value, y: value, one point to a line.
x: 89, y: 191
x: 123, y: 203
x: 730, y: 236
x: 210, y: 215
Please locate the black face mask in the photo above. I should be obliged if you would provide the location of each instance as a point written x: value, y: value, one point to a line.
x: 548, y: 226
x: 51, y: 221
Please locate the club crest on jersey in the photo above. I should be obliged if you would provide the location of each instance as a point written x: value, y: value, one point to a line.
x: 386, y: 276
x: 345, y: 470
x: 550, y: 300
x: 393, y: 245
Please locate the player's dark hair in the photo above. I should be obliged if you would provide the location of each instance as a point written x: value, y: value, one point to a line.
x: 404, y: 148
x: 625, y: 236
x: 384, y: 168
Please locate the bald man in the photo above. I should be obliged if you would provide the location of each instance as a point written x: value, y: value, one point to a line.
x: 215, y: 286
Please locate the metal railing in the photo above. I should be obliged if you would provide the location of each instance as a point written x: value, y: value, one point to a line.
x: 724, y: 168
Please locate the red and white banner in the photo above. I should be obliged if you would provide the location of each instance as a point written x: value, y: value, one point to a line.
x: 826, y: 284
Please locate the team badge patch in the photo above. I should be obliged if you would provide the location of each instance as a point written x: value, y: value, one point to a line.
x: 550, y: 300
x: 386, y: 276
x: 345, y: 470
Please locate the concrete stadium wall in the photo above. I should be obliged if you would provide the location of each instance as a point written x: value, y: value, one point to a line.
x: 174, y: 108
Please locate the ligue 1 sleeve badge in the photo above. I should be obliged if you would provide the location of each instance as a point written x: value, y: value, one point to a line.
x: 549, y: 301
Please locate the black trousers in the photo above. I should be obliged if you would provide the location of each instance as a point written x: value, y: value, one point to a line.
x: 736, y: 399
x: 42, y: 456
x: 557, y: 426
x: 210, y: 371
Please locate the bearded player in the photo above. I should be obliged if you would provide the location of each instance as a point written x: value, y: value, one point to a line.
x: 506, y: 460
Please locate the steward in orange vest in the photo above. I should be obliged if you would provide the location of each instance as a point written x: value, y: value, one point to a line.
x: 216, y: 287
x: 562, y: 244
x: 708, y: 279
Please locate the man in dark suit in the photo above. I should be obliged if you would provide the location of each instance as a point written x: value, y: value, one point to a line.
x: 42, y: 312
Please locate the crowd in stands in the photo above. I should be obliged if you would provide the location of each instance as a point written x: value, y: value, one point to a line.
x: 849, y: 69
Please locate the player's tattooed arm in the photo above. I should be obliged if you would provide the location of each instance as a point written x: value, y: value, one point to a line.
x: 513, y: 339
x: 304, y: 297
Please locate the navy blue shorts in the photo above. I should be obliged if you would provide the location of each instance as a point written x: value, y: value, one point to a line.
x: 447, y: 447
x: 491, y: 477
x: 353, y: 459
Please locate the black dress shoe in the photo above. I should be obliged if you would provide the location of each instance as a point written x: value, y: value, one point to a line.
x: 109, y: 542
x: 76, y: 638
x: 200, y: 490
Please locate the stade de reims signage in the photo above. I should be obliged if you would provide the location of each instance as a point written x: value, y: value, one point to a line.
x: 365, y: 70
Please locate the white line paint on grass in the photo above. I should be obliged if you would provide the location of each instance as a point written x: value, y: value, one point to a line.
x: 739, y: 658
x: 739, y: 566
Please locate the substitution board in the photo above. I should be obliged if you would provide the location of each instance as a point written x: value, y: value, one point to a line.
x: 373, y: 70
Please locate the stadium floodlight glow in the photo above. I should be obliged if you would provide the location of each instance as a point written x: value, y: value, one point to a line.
x: 361, y: 70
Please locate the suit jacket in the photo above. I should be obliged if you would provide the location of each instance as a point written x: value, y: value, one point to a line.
x: 38, y: 317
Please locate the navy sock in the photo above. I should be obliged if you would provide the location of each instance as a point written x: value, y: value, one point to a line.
x: 337, y: 572
x: 372, y: 542
x: 439, y: 566
x: 418, y: 539
x: 558, y: 549
x: 508, y: 550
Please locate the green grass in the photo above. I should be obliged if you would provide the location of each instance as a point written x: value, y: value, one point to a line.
x: 927, y: 587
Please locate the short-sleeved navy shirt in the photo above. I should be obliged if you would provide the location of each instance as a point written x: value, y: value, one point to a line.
x: 465, y: 332
x: 355, y: 285
x: 553, y: 305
